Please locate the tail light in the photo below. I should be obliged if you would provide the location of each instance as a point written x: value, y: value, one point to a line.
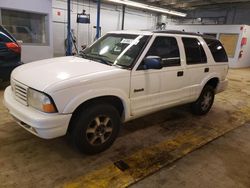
x: 13, y: 47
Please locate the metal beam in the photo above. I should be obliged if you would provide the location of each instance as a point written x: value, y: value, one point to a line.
x: 69, y: 44
x: 98, y: 19
x: 123, y: 15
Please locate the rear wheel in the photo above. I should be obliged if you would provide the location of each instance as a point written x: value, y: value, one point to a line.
x: 204, y: 103
x: 95, y: 128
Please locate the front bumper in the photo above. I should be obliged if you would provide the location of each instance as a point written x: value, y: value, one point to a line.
x: 41, y: 124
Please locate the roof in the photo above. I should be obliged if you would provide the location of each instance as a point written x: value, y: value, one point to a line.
x: 148, y: 32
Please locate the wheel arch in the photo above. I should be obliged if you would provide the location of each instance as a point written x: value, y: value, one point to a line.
x: 115, y: 101
x: 213, y: 82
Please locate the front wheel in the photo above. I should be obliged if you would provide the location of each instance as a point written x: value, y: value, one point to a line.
x: 205, y: 101
x: 95, y: 128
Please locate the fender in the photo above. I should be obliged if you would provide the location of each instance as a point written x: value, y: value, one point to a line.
x: 91, y: 94
x: 207, y: 78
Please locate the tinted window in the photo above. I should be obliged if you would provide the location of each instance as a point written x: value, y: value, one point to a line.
x: 167, y: 49
x: 195, y: 53
x: 217, y: 50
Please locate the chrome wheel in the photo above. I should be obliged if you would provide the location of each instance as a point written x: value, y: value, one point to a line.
x: 99, y: 130
x: 207, y: 101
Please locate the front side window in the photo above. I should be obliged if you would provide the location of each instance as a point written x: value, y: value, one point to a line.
x: 26, y: 27
x: 217, y: 50
x: 167, y: 49
x: 195, y: 53
x: 116, y: 49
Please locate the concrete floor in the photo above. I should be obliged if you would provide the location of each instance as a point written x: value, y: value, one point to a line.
x: 28, y: 161
x: 224, y: 163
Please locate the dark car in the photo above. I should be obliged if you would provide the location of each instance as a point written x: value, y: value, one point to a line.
x: 10, y: 54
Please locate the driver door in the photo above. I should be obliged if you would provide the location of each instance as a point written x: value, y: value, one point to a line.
x: 152, y: 89
x: 145, y: 86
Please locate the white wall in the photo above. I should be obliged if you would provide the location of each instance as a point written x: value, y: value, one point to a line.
x: 33, y: 52
x: 111, y: 16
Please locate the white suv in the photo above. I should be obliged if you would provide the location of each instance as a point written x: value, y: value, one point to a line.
x: 122, y: 76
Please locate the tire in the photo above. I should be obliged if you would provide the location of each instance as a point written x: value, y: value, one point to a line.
x: 205, y: 101
x: 95, y: 128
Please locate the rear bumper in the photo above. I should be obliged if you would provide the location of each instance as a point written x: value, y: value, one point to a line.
x: 222, y: 86
x: 38, y: 123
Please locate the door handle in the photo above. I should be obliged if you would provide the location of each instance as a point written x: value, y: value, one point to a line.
x: 180, y: 73
x: 206, y: 70
x: 138, y: 90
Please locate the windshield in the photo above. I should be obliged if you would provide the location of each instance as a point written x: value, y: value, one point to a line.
x: 116, y: 49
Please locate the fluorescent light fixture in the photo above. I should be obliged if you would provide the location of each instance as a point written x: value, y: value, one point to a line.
x: 148, y: 7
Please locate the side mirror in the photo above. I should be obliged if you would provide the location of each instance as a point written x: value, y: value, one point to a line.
x: 152, y: 62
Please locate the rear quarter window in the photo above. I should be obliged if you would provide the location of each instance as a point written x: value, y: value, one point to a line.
x: 217, y: 50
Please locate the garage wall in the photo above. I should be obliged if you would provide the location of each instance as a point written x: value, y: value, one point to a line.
x: 111, y: 16
x: 32, y: 52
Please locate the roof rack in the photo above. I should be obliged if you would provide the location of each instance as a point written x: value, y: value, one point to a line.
x: 177, y: 32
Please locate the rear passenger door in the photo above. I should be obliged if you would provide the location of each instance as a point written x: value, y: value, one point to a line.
x: 197, y: 66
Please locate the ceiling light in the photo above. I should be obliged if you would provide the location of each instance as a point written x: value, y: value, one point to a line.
x: 148, y: 7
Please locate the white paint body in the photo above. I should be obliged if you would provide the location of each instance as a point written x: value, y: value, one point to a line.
x: 71, y: 81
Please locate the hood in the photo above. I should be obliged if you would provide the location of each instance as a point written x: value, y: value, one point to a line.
x: 46, y: 73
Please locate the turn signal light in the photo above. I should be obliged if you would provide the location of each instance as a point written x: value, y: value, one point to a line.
x: 49, y: 108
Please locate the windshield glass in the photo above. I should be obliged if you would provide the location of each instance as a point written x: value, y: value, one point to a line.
x: 116, y: 49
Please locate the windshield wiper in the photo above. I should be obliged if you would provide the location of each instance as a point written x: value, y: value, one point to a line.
x: 101, y: 58
x: 84, y: 55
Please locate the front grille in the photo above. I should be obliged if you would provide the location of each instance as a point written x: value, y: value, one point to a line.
x: 20, y: 92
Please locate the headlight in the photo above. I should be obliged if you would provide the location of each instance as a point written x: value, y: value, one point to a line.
x: 40, y: 101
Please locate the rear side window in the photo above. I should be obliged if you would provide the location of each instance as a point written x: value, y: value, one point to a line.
x: 217, y: 50
x: 166, y: 48
x: 195, y: 53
